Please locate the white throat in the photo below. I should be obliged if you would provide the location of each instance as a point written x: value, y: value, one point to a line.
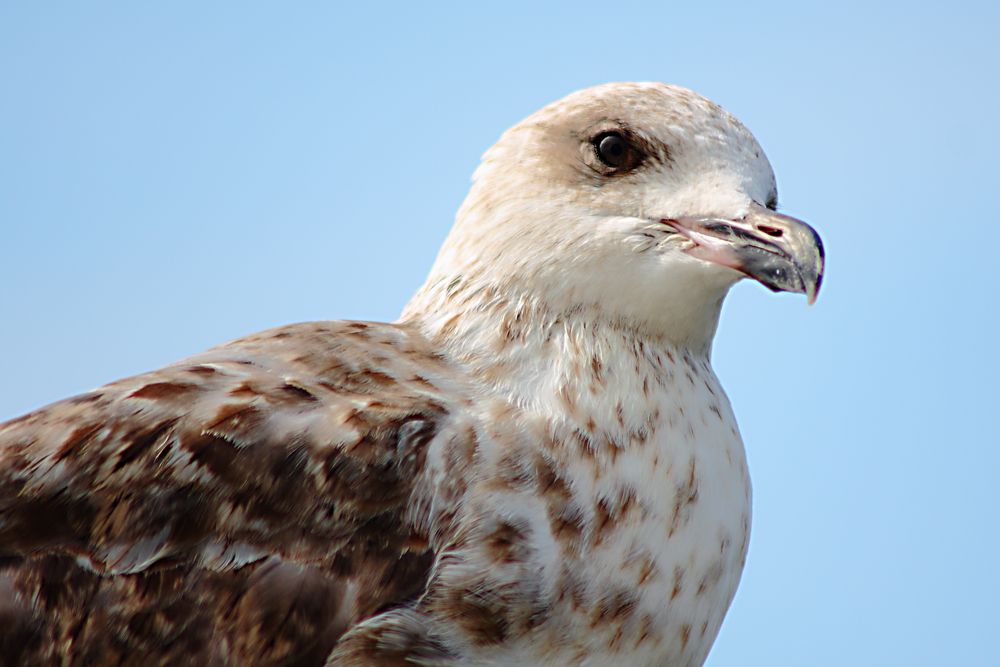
x: 556, y: 360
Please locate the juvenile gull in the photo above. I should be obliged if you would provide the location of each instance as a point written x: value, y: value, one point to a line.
x: 535, y: 465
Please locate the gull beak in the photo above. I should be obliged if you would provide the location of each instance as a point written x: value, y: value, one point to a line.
x: 778, y: 251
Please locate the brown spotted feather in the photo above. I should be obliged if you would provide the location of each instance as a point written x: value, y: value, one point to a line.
x: 219, y: 511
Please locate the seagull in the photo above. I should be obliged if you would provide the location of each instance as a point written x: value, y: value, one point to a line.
x: 535, y: 465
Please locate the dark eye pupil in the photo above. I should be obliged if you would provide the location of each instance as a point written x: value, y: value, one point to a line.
x: 612, y: 149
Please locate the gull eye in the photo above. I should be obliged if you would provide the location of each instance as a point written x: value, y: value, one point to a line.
x: 612, y: 149
x: 616, y: 153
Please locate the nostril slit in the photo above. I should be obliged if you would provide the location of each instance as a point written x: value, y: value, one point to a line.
x: 771, y: 231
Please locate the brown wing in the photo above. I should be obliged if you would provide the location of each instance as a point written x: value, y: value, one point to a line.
x: 242, y: 507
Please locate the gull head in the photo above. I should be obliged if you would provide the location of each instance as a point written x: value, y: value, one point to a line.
x: 642, y: 203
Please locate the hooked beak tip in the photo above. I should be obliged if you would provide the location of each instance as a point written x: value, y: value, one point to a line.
x: 782, y: 253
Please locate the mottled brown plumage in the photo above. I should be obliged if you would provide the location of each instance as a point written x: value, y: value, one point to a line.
x: 220, y: 509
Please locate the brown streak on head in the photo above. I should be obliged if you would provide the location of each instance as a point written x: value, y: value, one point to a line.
x: 614, y: 608
x: 678, y: 582
x: 685, y: 635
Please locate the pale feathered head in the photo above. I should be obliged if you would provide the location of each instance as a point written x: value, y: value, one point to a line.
x: 640, y: 202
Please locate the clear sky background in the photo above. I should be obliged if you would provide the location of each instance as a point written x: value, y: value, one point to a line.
x: 173, y: 175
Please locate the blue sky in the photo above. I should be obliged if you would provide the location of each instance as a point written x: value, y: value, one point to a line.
x: 178, y: 174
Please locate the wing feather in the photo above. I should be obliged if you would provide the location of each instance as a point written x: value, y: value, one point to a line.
x: 247, y: 503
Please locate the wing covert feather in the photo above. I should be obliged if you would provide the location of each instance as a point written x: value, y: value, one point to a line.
x: 219, y: 495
